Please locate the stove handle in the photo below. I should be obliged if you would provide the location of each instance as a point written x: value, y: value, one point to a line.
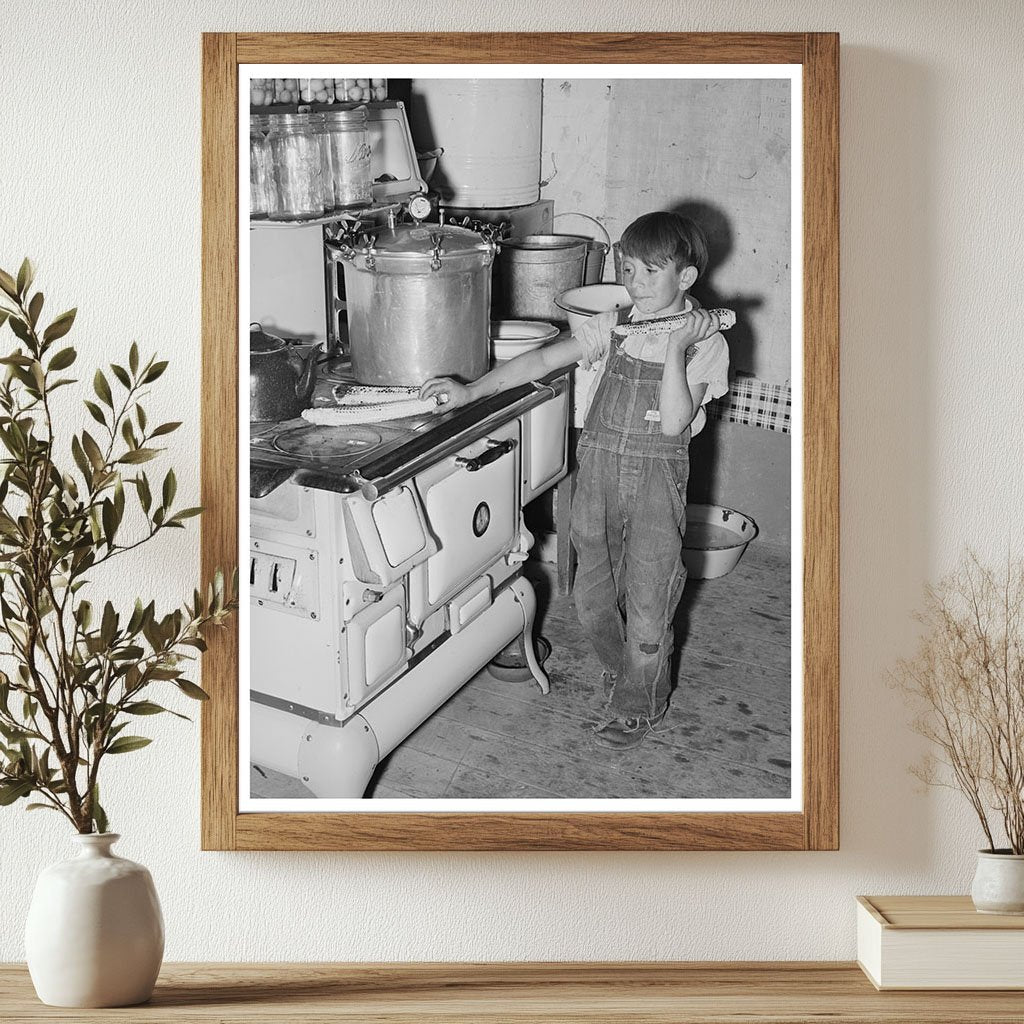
x: 495, y: 452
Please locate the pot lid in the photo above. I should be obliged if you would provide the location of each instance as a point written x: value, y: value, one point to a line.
x: 417, y: 240
x: 261, y: 343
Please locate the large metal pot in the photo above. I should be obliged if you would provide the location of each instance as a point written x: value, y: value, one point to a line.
x: 531, y: 271
x: 419, y: 299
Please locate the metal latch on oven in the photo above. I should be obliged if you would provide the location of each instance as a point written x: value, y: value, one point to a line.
x: 493, y: 453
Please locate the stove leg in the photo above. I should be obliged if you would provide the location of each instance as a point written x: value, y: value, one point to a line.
x: 526, y: 599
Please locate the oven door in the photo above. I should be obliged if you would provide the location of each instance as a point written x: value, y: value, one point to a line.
x: 375, y: 647
x: 545, y: 445
x: 472, y: 510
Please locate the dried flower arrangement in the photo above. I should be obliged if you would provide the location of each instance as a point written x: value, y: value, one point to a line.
x: 967, y: 679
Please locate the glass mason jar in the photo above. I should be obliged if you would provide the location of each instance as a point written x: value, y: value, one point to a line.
x: 261, y: 92
x: 318, y: 125
x: 348, y: 139
x: 286, y: 90
x: 316, y: 90
x: 298, y: 165
x: 262, y: 199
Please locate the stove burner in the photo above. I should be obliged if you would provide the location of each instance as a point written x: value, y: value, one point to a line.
x: 322, y: 443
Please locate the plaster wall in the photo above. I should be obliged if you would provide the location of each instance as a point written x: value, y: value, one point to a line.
x: 100, y: 172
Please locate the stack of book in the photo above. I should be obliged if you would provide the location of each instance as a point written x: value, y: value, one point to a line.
x: 938, y: 942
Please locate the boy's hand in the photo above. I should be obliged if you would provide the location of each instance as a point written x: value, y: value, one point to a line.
x: 700, y: 324
x: 593, y: 333
x: 448, y: 393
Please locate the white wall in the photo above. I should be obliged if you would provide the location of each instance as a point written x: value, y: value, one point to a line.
x: 99, y: 165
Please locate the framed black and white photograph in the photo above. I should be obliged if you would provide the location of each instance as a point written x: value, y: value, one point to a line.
x: 533, y: 491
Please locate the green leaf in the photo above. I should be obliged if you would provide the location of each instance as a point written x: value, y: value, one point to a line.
x: 133, y: 358
x: 60, y: 326
x: 140, y: 415
x: 99, y: 817
x: 109, y: 521
x: 63, y: 359
x: 80, y: 458
x: 165, y: 428
x: 145, y: 497
x: 26, y: 274
x: 102, y: 388
x: 95, y: 412
x: 41, y: 807
x: 14, y: 790
x: 185, y: 513
x: 144, y: 707
x: 4, y: 314
x: 154, y: 372
x: 92, y: 449
x: 84, y: 614
x: 125, y: 744
x: 139, y: 455
x: 121, y: 374
x: 191, y: 690
x: 20, y: 328
x: 8, y: 285
x: 170, y: 488
x: 128, y: 433
x: 108, y: 626
x: 34, y: 308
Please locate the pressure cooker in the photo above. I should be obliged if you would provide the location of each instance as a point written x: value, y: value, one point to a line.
x: 418, y: 299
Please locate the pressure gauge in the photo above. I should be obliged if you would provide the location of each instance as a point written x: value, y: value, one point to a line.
x: 419, y: 207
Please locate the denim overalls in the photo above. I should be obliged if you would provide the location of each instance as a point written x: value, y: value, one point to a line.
x: 628, y: 519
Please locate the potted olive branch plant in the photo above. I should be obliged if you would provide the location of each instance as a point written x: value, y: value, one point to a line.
x: 967, y: 682
x: 74, y: 674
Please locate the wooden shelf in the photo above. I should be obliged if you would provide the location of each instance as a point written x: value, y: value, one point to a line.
x: 680, y: 993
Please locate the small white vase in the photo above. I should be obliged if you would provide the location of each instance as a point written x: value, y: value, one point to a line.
x: 999, y: 882
x: 95, y: 933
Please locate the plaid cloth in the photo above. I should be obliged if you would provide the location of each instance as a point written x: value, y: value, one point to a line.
x: 755, y: 402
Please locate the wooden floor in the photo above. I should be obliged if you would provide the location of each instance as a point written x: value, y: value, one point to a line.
x: 726, y: 736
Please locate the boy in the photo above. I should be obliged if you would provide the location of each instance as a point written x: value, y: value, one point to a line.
x: 629, y: 507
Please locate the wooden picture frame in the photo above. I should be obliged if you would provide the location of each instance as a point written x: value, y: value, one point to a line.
x: 816, y: 826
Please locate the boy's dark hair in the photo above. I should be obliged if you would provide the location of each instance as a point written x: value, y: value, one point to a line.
x: 656, y: 238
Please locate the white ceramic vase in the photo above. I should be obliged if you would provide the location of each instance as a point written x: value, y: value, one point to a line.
x: 999, y: 883
x: 95, y: 933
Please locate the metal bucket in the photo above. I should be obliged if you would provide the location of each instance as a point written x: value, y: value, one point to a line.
x: 532, y: 271
x: 597, y: 250
x: 593, y: 270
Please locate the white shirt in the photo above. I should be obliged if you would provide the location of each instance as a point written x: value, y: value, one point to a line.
x: 709, y: 365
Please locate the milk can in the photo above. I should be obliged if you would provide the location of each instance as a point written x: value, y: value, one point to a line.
x: 418, y: 300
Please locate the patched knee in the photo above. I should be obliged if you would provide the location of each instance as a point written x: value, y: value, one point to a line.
x: 649, y: 648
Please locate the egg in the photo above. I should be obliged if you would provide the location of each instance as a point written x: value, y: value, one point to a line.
x: 291, y: 84
x: 355, y: 94
x: 362, y: 82
x: 378, y: 82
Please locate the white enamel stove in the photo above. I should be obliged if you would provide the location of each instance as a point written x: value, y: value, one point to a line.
x: 383, y: 578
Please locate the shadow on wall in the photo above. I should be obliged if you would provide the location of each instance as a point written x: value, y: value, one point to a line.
x: 890, y: 316
x: 718, y: 228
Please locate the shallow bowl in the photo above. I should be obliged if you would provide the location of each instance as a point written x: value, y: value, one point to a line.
x: 715, y: 539
x: 514, y: 337
x: 589, y: 299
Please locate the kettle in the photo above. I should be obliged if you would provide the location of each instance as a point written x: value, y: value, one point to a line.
x: 281, y: 376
